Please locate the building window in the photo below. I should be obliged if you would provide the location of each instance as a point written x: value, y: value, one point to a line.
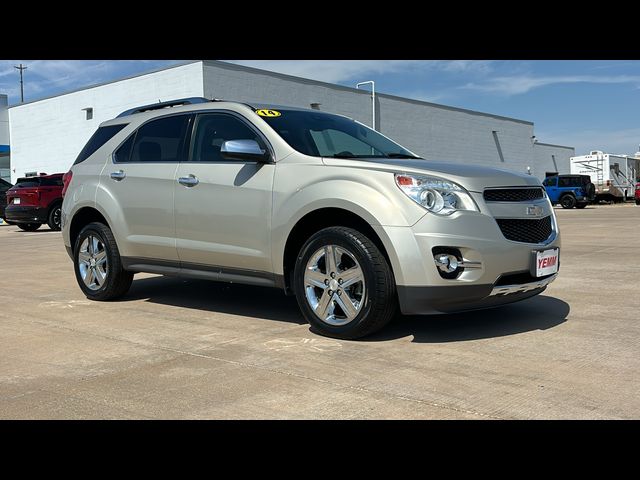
x: 88, y: 112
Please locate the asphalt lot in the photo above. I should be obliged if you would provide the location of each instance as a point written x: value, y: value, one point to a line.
x: 178, y: 348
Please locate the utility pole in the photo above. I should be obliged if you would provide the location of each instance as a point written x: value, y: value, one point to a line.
x: 21, y: 68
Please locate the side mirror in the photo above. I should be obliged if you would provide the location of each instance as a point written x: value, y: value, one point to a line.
x: 244, y: 150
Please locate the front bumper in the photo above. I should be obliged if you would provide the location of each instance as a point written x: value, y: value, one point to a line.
x: 498, y: 263
x: 19, y: 214
x: 431, y: 300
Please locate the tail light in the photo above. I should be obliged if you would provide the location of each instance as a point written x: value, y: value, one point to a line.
x: 66, y: 180
x: 608, y: 183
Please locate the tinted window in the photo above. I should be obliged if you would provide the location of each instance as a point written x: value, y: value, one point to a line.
x: 213, y: 130
x: 570, y: 182
x: 98, y: 139
x: 27, y: 182
x: 123, y: 154
x: 550, y: 182
x: 160, y: 140
x: 322, y: 134
x: 4, y: 184
x: 51, y: 182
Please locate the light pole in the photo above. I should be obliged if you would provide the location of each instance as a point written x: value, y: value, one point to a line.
x: 21, y: 68
x: 373, y: 99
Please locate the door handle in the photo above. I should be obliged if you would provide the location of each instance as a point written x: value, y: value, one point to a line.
x: 117, y: 176
x: 189, y: 181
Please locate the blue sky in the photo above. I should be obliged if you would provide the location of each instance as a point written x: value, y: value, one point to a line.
x: 585, y: 104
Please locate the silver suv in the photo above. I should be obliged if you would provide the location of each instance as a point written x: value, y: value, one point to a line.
x: 319, y: 205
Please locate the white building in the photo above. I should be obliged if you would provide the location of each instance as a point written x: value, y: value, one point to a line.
x: 48, y: 134
x: 4, y: 139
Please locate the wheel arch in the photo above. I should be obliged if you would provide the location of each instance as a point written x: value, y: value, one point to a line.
x: 315, y: 221
x: 53, y: 203
x: 83, y: 217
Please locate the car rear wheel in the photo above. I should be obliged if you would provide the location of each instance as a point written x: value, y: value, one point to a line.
x: 343, y: 284
x: 29, y: 227
x: 568, y: 201
x: 54, y: 217
x: 97, y: 264
x: 637, y: 202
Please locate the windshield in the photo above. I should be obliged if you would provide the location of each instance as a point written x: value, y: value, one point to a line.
x: 321, y: 134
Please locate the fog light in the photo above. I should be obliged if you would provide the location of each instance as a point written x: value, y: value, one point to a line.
x: 450, y: 262
x: 446, y: 262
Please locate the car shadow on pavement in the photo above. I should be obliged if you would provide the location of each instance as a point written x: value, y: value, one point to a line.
x: 537, y: 313
x: 234, y: 299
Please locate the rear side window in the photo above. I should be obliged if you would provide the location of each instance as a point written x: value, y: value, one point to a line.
x: 160, y: 140
x: 550, y: 182
x: 98, y: 139
x: 570, y: 182
x: 123, y: 154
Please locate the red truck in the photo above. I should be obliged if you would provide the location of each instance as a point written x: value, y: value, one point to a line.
x: 637, y: 194
x: 33, y: 201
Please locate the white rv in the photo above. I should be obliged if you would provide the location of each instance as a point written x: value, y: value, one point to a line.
x: 614, y: 176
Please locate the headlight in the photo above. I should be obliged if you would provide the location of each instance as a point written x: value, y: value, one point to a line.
x: 435, y: 194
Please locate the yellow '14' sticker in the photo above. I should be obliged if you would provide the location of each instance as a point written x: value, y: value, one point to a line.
x: 268, y: 113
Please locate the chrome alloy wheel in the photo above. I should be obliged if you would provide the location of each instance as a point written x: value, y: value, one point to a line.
x: 334, y: 285
x: 92, y: 262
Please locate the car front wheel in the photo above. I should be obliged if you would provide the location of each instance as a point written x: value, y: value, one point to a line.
x: 343, y: 284
x: 97, y: 264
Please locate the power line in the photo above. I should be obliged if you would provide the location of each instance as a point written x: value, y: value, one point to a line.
x: 21, y: 68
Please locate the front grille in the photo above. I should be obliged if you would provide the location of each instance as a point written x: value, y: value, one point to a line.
x: 512, y: 194
x: 526, y: 230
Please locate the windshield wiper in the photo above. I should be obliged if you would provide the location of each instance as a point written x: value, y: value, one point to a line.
x: 343, y: 155
x: 402, y: 155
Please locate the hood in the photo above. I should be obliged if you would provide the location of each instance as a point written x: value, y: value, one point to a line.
x: 471, y: 177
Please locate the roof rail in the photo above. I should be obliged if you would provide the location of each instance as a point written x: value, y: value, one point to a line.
x: 160, y: 105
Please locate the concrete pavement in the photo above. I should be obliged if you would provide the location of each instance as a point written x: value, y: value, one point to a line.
x: 175, y: 348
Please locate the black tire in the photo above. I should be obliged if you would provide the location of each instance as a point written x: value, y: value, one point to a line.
x: 380, y: 302
x: 568, y: 201
x: 637, y: 202
x: 581, y: 205
x: 54, y: 217
x: 29, y: 227
x: 591, y: 192
x: 118, y: 280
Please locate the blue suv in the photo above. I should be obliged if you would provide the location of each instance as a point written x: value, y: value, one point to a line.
x: 570, y: 190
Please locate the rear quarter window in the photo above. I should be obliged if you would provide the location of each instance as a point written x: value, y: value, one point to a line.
x: 98, y: 139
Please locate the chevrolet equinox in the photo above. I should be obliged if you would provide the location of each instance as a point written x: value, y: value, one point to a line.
x: 319, y: 205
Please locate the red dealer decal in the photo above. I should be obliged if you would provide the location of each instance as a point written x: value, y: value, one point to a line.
x: 547, y: 262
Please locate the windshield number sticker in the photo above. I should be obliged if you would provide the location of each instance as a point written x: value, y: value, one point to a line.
x: 268, y: 113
